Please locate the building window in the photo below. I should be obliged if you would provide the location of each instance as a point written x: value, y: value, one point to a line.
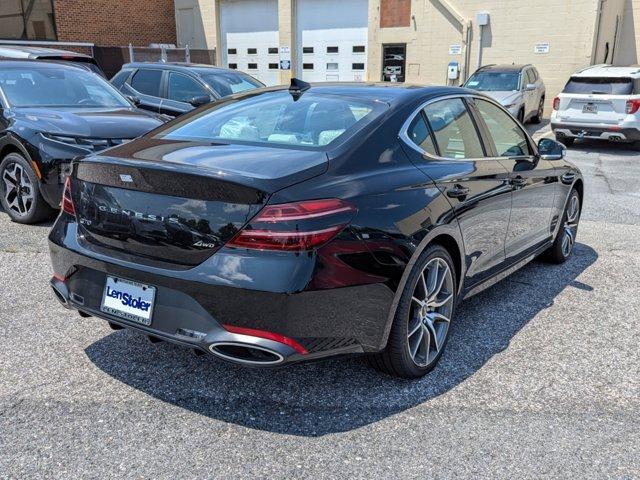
x: 307, y: 66
x: 273, y: 66
x: 332, y: 66
x: 23, y: 20
x: 395, y: 13
x: 332, y: 49
x: 357, y: 66
x: 307, y: 49
x: 231, y: 51
x: 252, y: 66
x: 234, y: 66
x: 358, y: 49
x: 252, y: 51
x: 273, y: 50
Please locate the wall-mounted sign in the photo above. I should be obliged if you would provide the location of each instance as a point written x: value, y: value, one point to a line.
x: 285, y: 57
x: 455, y: 50
x: 541, y: 48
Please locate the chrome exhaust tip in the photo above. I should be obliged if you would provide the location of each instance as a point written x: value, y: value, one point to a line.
x: 246, y: 354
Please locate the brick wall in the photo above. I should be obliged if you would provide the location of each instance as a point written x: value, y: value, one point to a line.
x: 115, y: 22
x: 395, y: 13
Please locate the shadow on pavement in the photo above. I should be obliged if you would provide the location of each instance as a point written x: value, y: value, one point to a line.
x: 343, y: 394
x: 605, y: 147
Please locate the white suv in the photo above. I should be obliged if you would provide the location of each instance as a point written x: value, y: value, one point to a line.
x: 600, y: 102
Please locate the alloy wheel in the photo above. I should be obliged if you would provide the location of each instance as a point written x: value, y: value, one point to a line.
x: 18, y: 189
x: 571, y: 225
x: 430, y: 312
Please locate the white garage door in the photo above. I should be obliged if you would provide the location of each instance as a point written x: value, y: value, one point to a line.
x: 331, y: 40
x: 249, y: 31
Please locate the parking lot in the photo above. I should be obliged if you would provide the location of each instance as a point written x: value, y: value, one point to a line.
x: 541, y: 378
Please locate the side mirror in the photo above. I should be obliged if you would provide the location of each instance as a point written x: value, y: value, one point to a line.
x: 530, y: 87
x: 133, y: 99
x: 551, y: 150
x: 199, y: 100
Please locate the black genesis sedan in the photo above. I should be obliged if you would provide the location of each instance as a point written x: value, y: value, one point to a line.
x: 50, y: 113
x: 284, y: 225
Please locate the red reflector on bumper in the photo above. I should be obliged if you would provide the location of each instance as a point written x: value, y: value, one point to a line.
x: 268, y: 336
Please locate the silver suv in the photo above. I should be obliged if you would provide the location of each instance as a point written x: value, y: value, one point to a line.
x: 518, y: 88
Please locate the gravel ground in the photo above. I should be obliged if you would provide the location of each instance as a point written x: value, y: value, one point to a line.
x: 540, y: 379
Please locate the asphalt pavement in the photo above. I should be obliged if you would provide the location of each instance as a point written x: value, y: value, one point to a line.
x: 540, y: 379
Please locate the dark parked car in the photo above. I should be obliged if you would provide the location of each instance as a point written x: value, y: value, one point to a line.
x: 176, y: 88
x: 50, y: 113
x: 314, y: 221
x: 41, y: 53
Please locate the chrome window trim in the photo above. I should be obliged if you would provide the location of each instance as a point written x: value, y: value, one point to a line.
x: 404, y: 130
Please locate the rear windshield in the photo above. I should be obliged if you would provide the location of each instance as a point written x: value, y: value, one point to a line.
x: 313, y: 120
x: 228, y: 83
x: 600, y: 86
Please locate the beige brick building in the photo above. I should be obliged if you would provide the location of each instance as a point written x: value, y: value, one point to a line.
x: 410, y: 40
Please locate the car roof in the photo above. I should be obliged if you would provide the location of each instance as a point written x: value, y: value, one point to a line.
x: 21, y: 62
x: 14, y: 51
x: 504, y: 68
x: 609, y: 71
x: 179, y: 66
x: 387, y: 92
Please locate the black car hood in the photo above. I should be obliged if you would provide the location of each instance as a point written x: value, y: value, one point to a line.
x: 89, y: 122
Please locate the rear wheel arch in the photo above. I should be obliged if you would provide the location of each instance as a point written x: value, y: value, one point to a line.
x: 447, y: 236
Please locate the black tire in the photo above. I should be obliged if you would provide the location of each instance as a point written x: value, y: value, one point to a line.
x: 23, y: 204
x: 566, y: 141
x: 558, y: 252
x: 396, y: 359
x: 540, y: 113
x: 521, y: 116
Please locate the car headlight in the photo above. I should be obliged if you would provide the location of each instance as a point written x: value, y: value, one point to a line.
x: 94, y: 144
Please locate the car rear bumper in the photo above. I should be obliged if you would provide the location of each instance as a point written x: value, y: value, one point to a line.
x: 612, y: 133
x: 202, y: 309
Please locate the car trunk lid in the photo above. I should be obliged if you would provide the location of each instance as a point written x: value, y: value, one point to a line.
x: 181, y: 209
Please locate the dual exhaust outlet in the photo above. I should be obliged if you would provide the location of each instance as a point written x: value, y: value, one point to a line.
x: 242, y: 349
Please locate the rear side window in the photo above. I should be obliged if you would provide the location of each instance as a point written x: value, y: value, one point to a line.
x: 183, y: 88
x: 419, y: 134
x: 277, y: 118
x: 120, y: 77
x: 454, y: 130
x: 507, y: 136
x: 599, y: 86
x: 147, y: 82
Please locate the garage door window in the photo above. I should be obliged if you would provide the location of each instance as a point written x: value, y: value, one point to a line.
x: 307, y: 49
x: 273, y: 50
x: 358, y: 49
x: 252, y: 66
x: 252, y: 51
x: 307, y: 66
x: 332, y: 66
x: 273, y: 66
x: 232, y: 51
x: 147, y: 82
x: 357, y: 66
x: 332, y: 49
x: 183, y: 88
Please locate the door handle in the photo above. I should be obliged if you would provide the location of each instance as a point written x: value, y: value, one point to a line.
x: 458, y: 191
x: 518, y: 181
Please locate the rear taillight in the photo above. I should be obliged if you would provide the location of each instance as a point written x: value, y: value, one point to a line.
x: 67, y: 201
x: 296, y: 226
x: 633, y: 106
x: 556, y: 103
